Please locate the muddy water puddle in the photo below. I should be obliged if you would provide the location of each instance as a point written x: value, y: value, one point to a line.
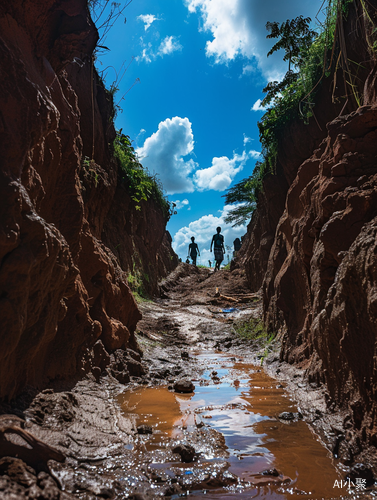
x: 243, y: 449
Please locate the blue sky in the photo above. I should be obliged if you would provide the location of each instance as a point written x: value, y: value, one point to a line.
x: 197, y: 69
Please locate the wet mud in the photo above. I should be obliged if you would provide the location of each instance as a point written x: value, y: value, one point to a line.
x: 199, y: 418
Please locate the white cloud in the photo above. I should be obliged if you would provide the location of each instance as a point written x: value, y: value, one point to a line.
x: 257, y: 106
x: 246, y: 139
x: 248, y: 69
x: 222, y: 172
x: 146, y: 54
x: 148, y: 20
x: 203, y: 229
x: 238, y: 29
x: 220, y: 175
x: 181, y: 203
x: 169, y: 45
x: 164, y: 151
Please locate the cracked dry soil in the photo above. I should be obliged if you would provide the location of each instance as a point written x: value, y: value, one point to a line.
x: 199, y: 417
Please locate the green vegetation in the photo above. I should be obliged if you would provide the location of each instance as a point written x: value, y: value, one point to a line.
x: 311, y: 57
x: 252, y: 329
x: 246, y: 193
x: 143, y: 186
x: 136, y: 281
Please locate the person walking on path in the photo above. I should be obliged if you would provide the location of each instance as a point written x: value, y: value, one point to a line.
x: 218, y: 248
x: 193, y: 250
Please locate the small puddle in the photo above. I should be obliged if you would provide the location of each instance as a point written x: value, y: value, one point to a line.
x: 232, y: 421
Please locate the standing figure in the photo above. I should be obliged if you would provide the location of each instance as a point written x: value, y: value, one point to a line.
x: 193, y: 250
x: 237, y: 246
x: 219, y: 249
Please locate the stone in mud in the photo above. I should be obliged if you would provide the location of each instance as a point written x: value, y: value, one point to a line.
x: 122, y: 377
x: 286, y: 415
x: 125, y: 363
x: 184, y: 386
x: 361, y: 471
x: 144, y: 429
x: 270, y: 472
x: 185, y: 451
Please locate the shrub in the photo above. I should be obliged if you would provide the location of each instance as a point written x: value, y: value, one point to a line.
x: 143, y: 186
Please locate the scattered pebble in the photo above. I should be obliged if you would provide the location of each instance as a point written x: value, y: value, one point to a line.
x: 286, y: 415
x: 185, y: 451
x: 144, y: 429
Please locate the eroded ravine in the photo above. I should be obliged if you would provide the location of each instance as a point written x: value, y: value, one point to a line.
x: 237, y: 434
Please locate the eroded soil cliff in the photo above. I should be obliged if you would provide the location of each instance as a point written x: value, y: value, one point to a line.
x: 62, y: 289
x: 311, y: 245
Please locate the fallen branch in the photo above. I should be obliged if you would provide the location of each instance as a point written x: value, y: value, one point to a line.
x: 36, y: 455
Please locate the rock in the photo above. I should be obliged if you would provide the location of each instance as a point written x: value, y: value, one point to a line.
x: 270, y: 472
x: 185, y: 451
x: 144, y: 429
x: 122, y: 377
x: 185, y: 355
x: 286, y: 415
x: 123, y: 366
x: 184, y: 386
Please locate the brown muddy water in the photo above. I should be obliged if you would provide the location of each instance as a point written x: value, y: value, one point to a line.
x: 232, y: 421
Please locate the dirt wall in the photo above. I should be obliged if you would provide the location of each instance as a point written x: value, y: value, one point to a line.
x: 61, y: 287
x: 318, y: 279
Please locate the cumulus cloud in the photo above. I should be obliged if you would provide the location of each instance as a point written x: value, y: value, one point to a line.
x: 257, y: 106
x: 223, y: 170
x: 169, y: 45
x: 181, y: 204
x: 238, y: 29
x: 164, y: 152
x: 147, y: 19
x: 203, y: 229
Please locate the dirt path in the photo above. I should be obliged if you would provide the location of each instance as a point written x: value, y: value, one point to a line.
x: 198, y: 417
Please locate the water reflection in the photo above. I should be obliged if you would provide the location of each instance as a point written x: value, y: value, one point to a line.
x: 244, y: 410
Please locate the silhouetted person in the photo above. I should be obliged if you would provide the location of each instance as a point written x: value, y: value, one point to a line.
x: 218, y: 248
x: 210, y: 263
x: 237, y: 244
x: 193, y: 250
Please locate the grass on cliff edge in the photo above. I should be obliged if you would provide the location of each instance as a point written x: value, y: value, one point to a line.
x: 142, y: 185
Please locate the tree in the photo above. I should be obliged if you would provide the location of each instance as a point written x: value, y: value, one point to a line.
x: 294, y: 37
x: 245, y: 194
